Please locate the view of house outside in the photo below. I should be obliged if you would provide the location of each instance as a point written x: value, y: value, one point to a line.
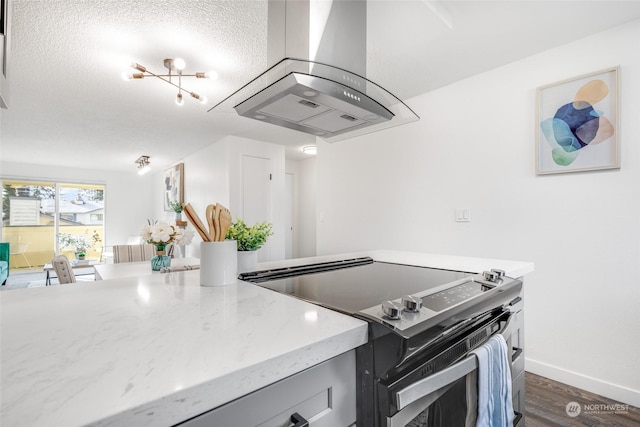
x: 42, y: 219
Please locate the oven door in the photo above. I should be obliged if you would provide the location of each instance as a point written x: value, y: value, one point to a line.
x: 447, y: 397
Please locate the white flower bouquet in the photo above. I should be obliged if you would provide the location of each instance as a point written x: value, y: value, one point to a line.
x: 161, y: 233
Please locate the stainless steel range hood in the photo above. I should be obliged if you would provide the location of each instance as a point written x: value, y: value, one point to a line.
x: 314, y: 105
x: 317, y: 84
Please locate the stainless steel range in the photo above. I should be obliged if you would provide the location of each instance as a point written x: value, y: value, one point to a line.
x: 416, y: 368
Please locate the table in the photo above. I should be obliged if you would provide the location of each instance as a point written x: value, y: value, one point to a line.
x: 133, y: 269
x: 48, y: 268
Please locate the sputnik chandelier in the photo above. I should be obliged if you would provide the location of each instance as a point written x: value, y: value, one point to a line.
x: 175, y: 67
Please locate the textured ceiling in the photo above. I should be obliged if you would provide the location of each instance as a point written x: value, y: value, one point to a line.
x: 68, y: 105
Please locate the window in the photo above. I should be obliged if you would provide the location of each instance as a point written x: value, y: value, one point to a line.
x: 48, y: 218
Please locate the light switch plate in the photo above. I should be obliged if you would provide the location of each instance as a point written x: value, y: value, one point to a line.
x: 463, y: 215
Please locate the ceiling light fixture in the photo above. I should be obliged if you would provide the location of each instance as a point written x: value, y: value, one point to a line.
x: 144, y: 165
x: 310, y: 149
x: 175, y: 67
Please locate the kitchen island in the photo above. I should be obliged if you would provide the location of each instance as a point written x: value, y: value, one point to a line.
x: 160, y: 349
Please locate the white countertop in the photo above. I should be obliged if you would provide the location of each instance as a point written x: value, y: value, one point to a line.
x: 153, y: 350
x: 159, y: 349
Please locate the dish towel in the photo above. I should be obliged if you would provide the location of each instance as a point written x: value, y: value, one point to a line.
x: 178, y: 268
x: 495, y: 407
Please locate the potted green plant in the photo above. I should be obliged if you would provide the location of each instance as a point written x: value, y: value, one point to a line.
x: 80, y: 244
x: 249, y: 239
x: 176, y: 206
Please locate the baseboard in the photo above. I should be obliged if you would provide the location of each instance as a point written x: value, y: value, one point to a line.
x: 593, y: 385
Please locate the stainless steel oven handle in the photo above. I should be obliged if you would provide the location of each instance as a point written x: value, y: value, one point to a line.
x: 426, y: 386
x: 449, y: 375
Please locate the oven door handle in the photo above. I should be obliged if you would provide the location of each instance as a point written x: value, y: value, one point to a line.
x: 434, y: 382
x: 449, y: 375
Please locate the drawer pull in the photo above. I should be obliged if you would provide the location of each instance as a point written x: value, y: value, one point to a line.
x: 298, y: 420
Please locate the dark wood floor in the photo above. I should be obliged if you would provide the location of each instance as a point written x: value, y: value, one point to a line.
x: 547, y: 400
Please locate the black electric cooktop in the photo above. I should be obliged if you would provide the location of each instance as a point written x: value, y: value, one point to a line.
x: 351, y: 289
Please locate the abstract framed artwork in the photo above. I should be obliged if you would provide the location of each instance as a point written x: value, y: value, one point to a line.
x: 577, y: 124
x: 173, y: 185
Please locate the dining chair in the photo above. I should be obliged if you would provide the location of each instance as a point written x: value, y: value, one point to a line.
x: 133, y: 253
x: 171, y: 248
x: 62, y: 267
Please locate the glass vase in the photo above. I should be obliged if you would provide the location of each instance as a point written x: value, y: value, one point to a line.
x: 161, y: 259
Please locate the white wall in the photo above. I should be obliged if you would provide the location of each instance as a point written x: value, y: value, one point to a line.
x: 474, y: 148
x: 128, y: 203
x: 206, y: 181
x: 214, y: 175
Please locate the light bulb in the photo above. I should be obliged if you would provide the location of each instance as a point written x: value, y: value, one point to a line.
x: 179, y: 100
x: 144, y: 169
x: 211, y: 74
x: 179, y: 64
x: 137, y: 66
x: 128, y: 75
x: 202, y: 99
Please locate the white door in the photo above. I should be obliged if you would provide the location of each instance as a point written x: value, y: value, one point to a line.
x: 288, y: 221
x: 256, y: 195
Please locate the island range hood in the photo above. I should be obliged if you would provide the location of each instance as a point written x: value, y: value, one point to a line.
x: 317, y: 84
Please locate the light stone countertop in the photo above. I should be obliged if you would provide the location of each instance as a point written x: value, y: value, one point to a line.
x: 153, y: 350
x: 159, y: 349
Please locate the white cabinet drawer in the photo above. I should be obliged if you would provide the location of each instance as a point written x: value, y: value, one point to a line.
x: 324, y: 395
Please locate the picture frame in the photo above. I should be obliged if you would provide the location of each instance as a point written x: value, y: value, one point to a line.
x: 173, y: 185
x: 578, y: 123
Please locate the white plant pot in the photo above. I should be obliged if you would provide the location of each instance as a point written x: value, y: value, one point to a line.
x: 247, y: 261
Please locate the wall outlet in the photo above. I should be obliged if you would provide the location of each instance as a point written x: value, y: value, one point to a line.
x: 463, y: 215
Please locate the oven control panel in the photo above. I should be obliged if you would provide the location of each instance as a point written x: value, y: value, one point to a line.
x: 410, y: 310
x: 454, y: 295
